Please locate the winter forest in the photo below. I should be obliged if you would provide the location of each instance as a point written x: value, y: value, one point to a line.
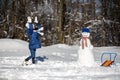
x: 63, y: 20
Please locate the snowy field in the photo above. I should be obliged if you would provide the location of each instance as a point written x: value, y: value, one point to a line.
x: 61, y: 63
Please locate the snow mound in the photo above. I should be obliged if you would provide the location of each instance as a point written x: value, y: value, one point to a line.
x: 11, y: 44
x: 61, y: 59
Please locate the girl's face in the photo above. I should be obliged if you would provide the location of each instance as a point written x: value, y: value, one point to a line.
x: 29, y: 19
x: 85, y: 34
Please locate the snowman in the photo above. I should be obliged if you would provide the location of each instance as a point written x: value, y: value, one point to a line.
x: 86, y: 57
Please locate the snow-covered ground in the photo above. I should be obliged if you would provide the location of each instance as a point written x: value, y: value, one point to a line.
x: 61, y: 63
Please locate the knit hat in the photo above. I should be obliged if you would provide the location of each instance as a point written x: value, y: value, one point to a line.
x: 85, y: 30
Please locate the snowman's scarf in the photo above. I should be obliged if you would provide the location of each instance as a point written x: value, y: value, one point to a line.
x: 84, y: 42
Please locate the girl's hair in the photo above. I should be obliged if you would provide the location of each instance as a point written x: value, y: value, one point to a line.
x: 35, y: 28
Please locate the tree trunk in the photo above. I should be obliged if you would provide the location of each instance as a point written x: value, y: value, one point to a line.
x: 60, y: 24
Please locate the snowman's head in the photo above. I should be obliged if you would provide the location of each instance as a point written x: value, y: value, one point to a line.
x: 29, y: 19
x: 85, y: 32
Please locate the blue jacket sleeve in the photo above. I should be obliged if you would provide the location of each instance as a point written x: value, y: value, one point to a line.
x: 38, y: 25
x: 29, y: 32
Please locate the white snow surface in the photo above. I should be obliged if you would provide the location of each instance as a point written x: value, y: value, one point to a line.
x: 60, y: 65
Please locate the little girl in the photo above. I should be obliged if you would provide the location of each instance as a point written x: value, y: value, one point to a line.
x: 34, y: 42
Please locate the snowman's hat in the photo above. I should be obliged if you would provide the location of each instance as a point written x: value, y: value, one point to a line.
x: 36, y: 20
x: 85, y: 30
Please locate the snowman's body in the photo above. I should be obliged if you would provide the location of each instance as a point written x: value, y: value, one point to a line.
x: 86, y: 57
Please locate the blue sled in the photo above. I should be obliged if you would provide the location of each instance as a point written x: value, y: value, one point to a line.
x: 112, y: 56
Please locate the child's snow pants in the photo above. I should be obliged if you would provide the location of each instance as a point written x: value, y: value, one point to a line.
x: 32, y: 56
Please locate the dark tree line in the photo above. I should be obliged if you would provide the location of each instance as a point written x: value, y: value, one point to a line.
x: 62, y: 20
